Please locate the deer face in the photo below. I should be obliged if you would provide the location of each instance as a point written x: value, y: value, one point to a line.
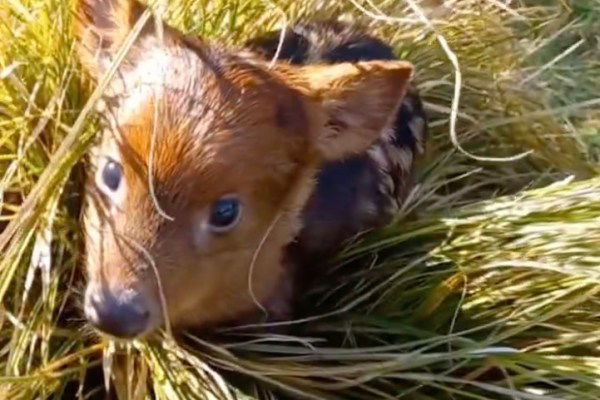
x: 203, y: 165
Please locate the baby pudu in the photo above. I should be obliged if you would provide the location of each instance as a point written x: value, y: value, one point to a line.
x: 204, y: 163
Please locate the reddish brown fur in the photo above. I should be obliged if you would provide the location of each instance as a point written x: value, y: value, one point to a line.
x: 228, y: 125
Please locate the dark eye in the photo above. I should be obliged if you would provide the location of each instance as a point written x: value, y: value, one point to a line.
x: 112, y: 175
x: 224, y: 214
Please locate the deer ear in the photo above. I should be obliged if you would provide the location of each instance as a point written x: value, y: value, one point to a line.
x: 101, y: 28
x: 357, y: 103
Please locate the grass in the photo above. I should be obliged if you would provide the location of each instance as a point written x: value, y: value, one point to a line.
x: 486, y: 287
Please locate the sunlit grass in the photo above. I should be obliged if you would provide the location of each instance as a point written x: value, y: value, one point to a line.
x: 486, y: 287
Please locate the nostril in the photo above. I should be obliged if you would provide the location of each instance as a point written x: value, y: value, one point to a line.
x: 122, y: 315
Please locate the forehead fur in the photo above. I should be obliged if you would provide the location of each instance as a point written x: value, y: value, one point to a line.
x: 201, y: 111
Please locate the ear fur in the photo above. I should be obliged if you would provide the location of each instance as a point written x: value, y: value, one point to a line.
x: 101, y: 28
x: 358, y: 102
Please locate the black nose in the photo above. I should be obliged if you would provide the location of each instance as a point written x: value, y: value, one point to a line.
x: 123, y: 315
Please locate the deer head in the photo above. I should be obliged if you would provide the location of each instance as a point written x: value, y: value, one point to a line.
x: 204, y: 163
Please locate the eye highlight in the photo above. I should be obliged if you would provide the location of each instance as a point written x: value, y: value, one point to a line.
x: 225, y: 213
x: 112, y: 175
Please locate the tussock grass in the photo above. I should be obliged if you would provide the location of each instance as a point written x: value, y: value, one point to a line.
x: 486, y: 287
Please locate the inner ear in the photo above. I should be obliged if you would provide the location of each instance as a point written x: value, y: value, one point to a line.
x: 284, y: 116
x: 291, y: 115
x: 357, y: 103
x: 101, y: 28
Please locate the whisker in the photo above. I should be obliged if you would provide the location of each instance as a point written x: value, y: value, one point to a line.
x: 161, y: 293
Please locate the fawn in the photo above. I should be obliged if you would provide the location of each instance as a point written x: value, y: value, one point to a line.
x: 217, y: 173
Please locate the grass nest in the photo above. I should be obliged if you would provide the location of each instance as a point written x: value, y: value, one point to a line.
x: 487, y: 286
